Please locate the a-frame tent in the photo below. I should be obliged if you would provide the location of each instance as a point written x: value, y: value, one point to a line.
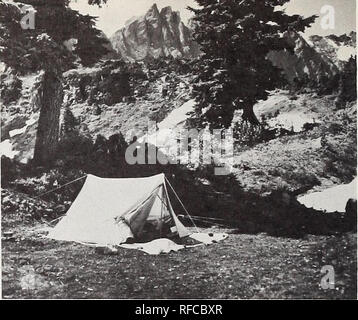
x: 110, y: 211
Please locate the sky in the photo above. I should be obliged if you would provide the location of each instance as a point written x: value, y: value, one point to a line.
x: 113, y: 15
x: 345, y: 15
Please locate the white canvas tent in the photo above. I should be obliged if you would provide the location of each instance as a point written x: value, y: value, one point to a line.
x: 110, y: 211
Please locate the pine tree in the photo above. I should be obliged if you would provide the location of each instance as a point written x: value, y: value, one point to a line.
x: 348, y: 83
x: 43, y: 47
x: 97, y: 2
x: 233, y: 71
x: 69, y: 124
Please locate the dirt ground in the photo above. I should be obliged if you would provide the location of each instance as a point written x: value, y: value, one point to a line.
x: 241, y: 267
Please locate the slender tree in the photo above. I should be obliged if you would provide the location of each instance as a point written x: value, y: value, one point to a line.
x: 348, y: 83
x: 233, y: 71
x: 43, y: 48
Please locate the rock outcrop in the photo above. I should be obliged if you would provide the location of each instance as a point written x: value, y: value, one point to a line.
x: 337, y: 49
x: 305, y: 63
x: 315, y: 59
x: 156, y: 34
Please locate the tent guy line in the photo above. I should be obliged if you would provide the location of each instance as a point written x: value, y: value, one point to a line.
x: 186, y: 211
x: 60, y: 187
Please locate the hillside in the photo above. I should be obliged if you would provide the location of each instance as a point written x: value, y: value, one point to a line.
x: 107, y: 98
x: 74, y: 102
x: 336, y: 48
x: 321, y: 151
x: 305, y: 63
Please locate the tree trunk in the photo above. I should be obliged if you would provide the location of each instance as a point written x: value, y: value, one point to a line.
x: 249, y: 115
x: 48, y: 130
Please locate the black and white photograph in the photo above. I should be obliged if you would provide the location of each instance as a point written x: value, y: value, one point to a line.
x: 178, y: 150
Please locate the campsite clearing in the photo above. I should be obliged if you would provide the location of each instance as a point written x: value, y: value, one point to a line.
x: 242, y: 266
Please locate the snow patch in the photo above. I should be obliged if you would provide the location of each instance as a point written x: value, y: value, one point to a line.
x: 292, y: 121
x: 167, y: 135
x: 344, y: 53
x: 6, y: 149
x: 81, y: 70
x: 332, y: 199
x: 177, y: 116
x: 280, y: 111
x: 22, y: 130
x: 2, y: 67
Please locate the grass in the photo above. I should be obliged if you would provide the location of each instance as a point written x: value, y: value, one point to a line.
x: 241, y: 267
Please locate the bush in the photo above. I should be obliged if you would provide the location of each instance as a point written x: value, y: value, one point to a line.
x: 246, y: 134
x: 10, y: 90
x: 10, y: 170
x: 42, y: 182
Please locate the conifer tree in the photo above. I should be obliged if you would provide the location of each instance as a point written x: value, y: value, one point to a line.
x: 348, y: 87
x: 69, y: 124
x: 43, y: 47
x: 233, y: 72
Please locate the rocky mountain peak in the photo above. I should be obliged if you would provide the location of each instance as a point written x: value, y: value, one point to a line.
x: 153, y: 11
x: 169, y: 14
x: 337, y: 49
x: 155, y: 34
x: 166, y: 10
x: 154, y: 7
x: 316, y: 58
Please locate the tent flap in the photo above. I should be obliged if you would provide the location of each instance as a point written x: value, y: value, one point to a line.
x: 136, y: 219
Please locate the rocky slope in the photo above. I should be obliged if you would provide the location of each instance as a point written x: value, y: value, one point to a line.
x: 305, y: 63
x: 319, y: 155
x: 19, y: 118
x: 130, y: 112
x: 316, y: 59
x: 106, y: 99
x: 156, y: 34
x: 337, y: 49
x: 26, y: 92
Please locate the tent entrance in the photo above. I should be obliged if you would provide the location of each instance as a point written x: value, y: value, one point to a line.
x: 154, y: 218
